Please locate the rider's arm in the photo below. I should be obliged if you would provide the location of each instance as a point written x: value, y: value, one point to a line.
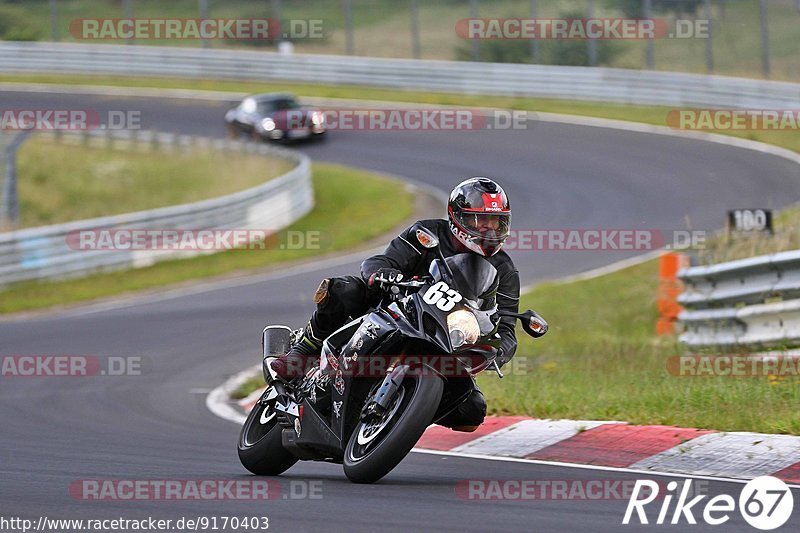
x: 404, y: 254
x: 508, y: 300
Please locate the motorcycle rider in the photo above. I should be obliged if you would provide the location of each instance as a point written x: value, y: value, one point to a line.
x: 478, y: 221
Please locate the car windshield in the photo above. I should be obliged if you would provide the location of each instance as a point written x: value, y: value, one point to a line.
x: 276, y: 104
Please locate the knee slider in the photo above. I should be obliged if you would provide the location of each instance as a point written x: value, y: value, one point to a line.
x: 321, y: 295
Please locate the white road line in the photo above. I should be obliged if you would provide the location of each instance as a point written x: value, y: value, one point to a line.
x: 218, y: 399
x: 218, y: 403
x: 726, y: 454
x: 198, y: 288
x: 526, y: 437
x: 214, y: 399
x: 577, y: 120
x: 585, y: 467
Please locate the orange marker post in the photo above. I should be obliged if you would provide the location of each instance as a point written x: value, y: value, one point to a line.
x: 669, y: 287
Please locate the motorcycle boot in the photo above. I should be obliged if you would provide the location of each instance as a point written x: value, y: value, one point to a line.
x: 297, y: 360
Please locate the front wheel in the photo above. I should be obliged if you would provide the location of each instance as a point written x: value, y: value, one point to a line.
x: 376, y: 447
x: 260, y: 448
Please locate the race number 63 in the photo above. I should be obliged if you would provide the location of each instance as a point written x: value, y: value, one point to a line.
x: 442, y: 295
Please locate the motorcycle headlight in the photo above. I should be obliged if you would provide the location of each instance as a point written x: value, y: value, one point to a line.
x: 317, y: 118
x: 268, y: 124
x: 463, y: 328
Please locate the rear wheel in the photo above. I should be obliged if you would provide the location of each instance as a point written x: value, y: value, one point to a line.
x: 260, y: 449
x: 377, y: 446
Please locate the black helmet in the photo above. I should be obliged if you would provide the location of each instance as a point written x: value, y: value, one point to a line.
x: 480, y: 215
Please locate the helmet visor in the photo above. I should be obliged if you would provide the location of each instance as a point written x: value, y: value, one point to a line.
x: 486, y: 226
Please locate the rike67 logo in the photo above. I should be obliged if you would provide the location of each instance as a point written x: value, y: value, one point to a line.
x: 765, y: 503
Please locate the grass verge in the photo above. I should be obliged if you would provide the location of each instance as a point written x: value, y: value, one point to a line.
x: 728, y: 246
x: 248, y: 386
x: 345, y: 198
x: 61, y: 182
x: 656, y: 115
x: 602, y: 361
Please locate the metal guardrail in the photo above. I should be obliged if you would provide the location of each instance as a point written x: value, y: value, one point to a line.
x: 751, y: 303
x: 9, y: 206
x: 580, y: 83
x: 45, y: 252
x: 6, y: 193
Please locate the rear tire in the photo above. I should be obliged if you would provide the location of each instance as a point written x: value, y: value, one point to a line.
x: 260, y: 448
x: 365, y: 464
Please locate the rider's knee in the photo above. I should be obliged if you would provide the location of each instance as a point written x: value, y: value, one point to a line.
x: 468, y: 415
x: 340, y: 293
x: 473, y: 411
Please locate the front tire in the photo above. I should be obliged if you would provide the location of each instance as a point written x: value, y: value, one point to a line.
x: 260, y: 448
x: 371, y: 455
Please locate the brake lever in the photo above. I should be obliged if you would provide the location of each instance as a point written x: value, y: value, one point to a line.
x: 496, y: 368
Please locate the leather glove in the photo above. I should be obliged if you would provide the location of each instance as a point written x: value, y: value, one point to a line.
x: 501, y: 358
x: 384, y: 276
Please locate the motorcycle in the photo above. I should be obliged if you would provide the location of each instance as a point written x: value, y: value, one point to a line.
x: 425, y: 339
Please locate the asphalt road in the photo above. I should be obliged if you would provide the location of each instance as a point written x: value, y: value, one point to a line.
x: 155, y: 426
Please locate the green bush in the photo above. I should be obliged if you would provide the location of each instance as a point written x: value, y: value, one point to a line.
x: 15, y: 25
x: 635, y: 8
x: 576, y: 53
x: 571, y: 52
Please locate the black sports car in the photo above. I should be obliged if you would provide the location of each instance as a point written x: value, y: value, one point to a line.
x: 275, y: 116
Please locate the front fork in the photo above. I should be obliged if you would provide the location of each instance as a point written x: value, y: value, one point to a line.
x: 377, y: 406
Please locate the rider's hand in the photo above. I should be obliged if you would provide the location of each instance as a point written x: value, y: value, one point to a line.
x: 384, y: 276
x: 500, y: 358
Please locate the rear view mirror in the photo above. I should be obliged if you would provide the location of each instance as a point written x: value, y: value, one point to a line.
x: 276, y: 340
x: 426, y: 238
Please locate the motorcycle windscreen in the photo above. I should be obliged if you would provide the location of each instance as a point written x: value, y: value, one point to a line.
x: 475, y: 278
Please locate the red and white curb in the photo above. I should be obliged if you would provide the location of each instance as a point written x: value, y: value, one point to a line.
x: 655, y: 449
x: 595, y: 444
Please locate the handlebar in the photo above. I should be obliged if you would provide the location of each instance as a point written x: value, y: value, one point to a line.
x: 413, y: 283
